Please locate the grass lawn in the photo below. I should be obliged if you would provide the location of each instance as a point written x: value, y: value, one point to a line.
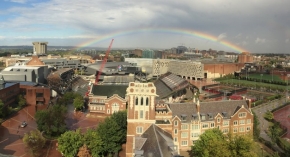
x: 265, y: 77
x: 252, y: 83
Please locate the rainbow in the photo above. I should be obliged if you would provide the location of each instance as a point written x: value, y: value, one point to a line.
x: 179, y: 31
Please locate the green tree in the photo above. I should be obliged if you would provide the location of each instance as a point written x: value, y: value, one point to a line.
x: 269, y: 116
x: 34, y: 142
x: 275, y: 131
x: 67, y: 98
x: 94, y: 143
x: 70, y: 142
x: 241, y: 146
x: 111, y: 136
x: 52, y: 121
x: 211, y: 143
x: 21, y: 101
x: 121, y: 119
x: 78, y: 102
x: 256, y: 129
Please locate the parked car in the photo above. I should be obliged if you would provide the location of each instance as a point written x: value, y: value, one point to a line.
x: 23, y: 125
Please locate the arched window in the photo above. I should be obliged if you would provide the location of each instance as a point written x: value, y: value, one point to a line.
x: 141, y: 100
x: 136, y: 101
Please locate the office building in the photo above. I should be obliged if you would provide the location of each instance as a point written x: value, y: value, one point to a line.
x: 40, y: 47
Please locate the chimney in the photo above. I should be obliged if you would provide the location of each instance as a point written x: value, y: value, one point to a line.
x: 249, y: 102
x: 197, y: 106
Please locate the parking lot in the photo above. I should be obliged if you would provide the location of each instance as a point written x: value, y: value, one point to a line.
x: 11, y: 134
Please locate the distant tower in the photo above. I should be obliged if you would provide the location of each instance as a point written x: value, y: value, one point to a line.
x: 141, y: 112
x: 40, y: 47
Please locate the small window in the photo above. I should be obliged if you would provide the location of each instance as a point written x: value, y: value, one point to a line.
x: 108, y: 111
x: 242, y: 114
x: 184, y: 135
x: 205, y: 125
x: 248, y: 121
x: 147, y: 101
x: 225, y: 123
x: 184, y: 126
x: 235, y: 130
x: 136, y: 101
x: 175, y: 122
x: 175, y: 139
x: 235, y: 122
x: 242, y: 122
x: 212, y: 125
x: 139, y: 130
x: 226, y: 130
x: 242, y: 129
x: 141, y: 114
x: 175, y: 131
x: 142, y: 100
x: 194, y: 134
x: 218, y: 120
x: 195, y: 127
x: 248, y: 128
x: 184, y: 143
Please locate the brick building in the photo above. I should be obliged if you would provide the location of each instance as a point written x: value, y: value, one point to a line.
x: 164, y: 129
x: 35, y: 94
x: 106, y: 106
x: 8, y: 92
x: 245, y: 57
x: 216, y: 70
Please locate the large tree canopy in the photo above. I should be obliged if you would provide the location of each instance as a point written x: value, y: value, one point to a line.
x: 70, y: 142
x: 214, y: 143
x: 52, y: 120
x: 34, y: 142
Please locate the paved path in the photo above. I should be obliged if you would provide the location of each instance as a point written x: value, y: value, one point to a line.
x: 261, y: 110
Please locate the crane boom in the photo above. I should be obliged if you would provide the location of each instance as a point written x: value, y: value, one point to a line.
x: 104, y: 62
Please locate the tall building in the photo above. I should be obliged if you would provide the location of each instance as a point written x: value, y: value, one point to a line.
x: 245, y: 57
x: 40, y: 47
x: 148, y: 54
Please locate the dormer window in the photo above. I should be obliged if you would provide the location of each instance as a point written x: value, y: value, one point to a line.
x: 194, y: 116
x: 183, y: 117
x: 210, y: 116
x: 202, y: 116
x: 225, y: 114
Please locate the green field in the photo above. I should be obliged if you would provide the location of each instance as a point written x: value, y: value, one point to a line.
x: 253, y: 84
x: 268, y: 77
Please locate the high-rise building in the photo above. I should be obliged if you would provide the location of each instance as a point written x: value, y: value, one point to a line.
x: 40, y: 47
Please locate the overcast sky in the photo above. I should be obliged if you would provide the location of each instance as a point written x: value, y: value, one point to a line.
x: 254, y: 25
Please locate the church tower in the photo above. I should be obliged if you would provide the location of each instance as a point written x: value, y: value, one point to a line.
x: 141, y: 112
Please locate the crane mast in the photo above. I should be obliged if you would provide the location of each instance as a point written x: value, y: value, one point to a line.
x: 103, y: 62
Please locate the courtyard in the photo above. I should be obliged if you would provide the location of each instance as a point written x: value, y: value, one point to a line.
x: 11, y: 134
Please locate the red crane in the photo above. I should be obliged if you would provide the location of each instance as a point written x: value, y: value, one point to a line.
x: 103, y: 62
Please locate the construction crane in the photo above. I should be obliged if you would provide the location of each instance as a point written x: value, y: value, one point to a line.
x: 103, y: 63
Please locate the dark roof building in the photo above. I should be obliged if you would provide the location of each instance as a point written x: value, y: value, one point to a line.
x: 109, y: 90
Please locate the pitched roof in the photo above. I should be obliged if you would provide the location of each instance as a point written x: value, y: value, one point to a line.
x: 183, y: 109
x: 110, y: 90
x: 225, y: 108
x: 158, y: 142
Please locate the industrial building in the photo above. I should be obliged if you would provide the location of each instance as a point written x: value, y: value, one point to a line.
x: 33, y: 71
x: 110, y: 68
